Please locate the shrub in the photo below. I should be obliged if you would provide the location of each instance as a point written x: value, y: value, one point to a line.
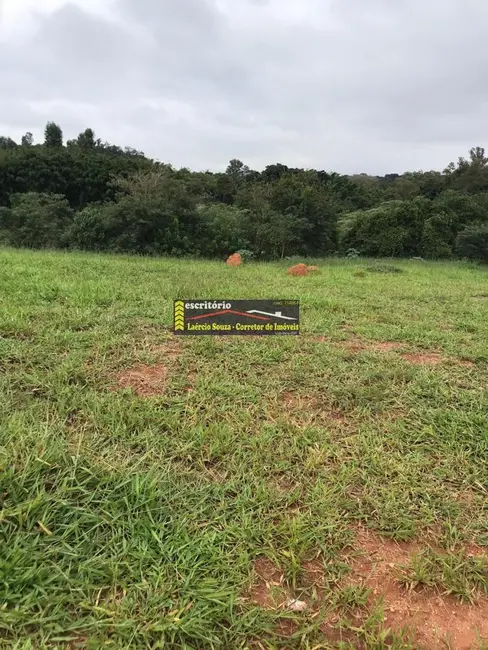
x: 223, y: 230
x: 383, y: 268
x: 37, y: 220
x: 472, y: 242
x: 89, y: 229
x: 246, y: 255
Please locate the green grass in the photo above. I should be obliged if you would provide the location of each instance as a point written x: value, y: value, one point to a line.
x: 130, y: 522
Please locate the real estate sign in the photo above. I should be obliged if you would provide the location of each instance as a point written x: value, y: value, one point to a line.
x: 238, y: 317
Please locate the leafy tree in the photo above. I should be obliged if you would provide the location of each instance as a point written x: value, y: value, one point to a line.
x: 7, y: 143
x: 438, y: 235
x: 237, y: 173
x: 472, y: 242
x: 89, y: 229
x: 389, y: 230
x: 53, y: 135
x: 85, y: 141
x: 271, y: 232
x: 27, y: 139
x: 308, y: 212
x: 469, y: 175
x: 154, y: 214
x: 403, y: 188
x: 224, y: 230
x: 38, y: 220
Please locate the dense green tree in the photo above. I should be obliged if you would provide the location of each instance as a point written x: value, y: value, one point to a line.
x: 472, y: 242
x: 153, y: 214
x: 27, y: 139
x: 83, y: 177
x: 7, y: 143
x: 38, y: 220
x: 89, y: 229
x: 225, y: 230
x: 469, y: 175
x: 53, y: 136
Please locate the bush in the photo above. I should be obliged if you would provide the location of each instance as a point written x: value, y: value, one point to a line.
x: 224, y: 230
x: 246, y: 255
x: 472, y: 242
x: 89, y: 229
x: 378, y: 232
x: 384, y: 268
x: 37, y: 220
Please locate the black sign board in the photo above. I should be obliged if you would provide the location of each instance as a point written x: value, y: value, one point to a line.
x: 238, y: 317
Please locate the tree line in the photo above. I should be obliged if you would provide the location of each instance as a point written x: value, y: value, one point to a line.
x: 86, y: 194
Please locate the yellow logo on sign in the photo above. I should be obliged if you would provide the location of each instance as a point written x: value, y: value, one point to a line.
x: 179, y: 316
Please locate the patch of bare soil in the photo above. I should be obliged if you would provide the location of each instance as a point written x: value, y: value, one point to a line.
x: 427, y: 358
x: 267, y: 589
x: 150, y: 380
x: 303, y: 409
x: 145, y: 381
x: 387, y: 346
x: 356, y: 344
x: 434, y: 620
x: 465, y: 362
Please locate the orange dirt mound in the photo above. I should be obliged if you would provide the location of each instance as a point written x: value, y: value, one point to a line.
x: 234, y: 260
x: 298, y: 269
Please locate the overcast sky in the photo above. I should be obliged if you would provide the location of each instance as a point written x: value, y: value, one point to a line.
x: 372, y: 86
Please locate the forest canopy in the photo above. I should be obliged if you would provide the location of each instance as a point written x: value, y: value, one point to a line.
x: 86, y: 194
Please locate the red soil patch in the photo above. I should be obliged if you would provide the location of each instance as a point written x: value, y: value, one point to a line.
x: 387, y: 346
x: 145, y: 381
x: 432, y: 619
x: 465, y: 363
x: 427, y: 358
x: 234, y: 260
x: 267, y: 589
x: 298, y: 269
x: 354, y: 345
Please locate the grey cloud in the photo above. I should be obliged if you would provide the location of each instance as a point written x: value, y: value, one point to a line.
x: 341, y: 84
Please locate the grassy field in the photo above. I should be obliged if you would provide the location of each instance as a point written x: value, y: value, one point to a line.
x: 320, y: 491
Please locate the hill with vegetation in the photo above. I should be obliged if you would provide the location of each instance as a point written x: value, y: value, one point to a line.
x: 86, y: 194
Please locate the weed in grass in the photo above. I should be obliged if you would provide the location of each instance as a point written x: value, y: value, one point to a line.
x: 384, y: 268
x: 458, y: 574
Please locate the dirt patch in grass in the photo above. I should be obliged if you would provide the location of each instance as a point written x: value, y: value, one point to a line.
x: 431, y: 358
x: 355, y: 344
x: 145, y: 381
x: 150, y: 380
x: 387, y: 346
x: 433, y: 619
x: 310, y: 407
x: 267, y: 588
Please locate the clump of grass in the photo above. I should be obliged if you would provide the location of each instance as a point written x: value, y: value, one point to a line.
x: 384, y: 268
x: 458, y: 574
